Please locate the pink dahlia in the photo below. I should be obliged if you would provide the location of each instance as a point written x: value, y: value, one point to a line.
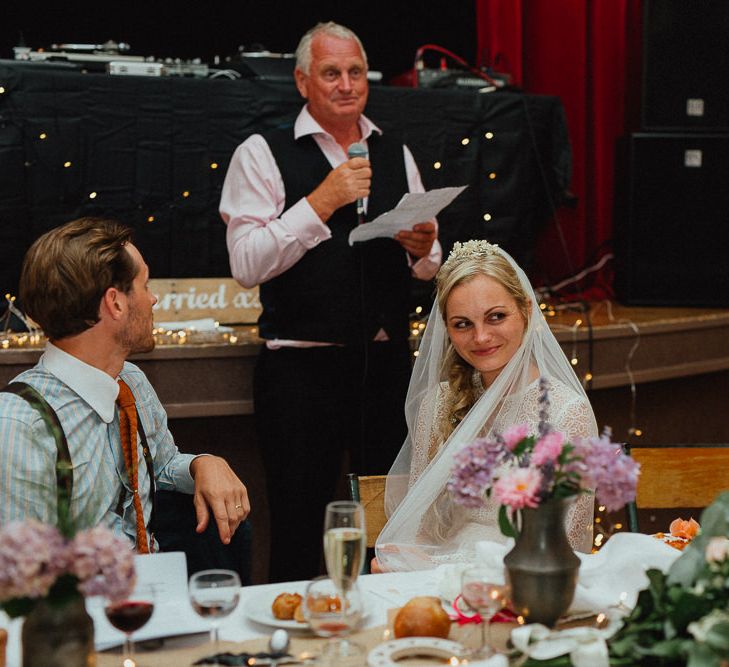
x: 519, y: 488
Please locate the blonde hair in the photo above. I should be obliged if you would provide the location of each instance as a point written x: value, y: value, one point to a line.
x: 459, y: 270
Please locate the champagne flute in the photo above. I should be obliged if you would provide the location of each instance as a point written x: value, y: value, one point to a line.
x: 484, y: 596
x: 344, y: 541
x: 214, y: 594
x: 332, y: 611
x: 130, y: 614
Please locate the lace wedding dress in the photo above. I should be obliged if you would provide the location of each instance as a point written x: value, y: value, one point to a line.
x: 425, y: 525
x: 570, y: 414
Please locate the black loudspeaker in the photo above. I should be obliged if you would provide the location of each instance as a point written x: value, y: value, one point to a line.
x: 672, y: 226
x: 685, y: 61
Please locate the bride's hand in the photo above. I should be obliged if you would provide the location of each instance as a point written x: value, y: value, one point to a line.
x: 375, y: 567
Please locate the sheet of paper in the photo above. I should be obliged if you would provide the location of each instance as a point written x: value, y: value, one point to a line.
x: 204, y: 324
x: 172, y: 615
x: 413, y: 208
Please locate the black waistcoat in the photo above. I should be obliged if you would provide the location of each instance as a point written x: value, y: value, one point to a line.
x: 338, y: 293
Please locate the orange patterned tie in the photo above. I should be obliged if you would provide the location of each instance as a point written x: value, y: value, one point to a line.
x: 128, y: 428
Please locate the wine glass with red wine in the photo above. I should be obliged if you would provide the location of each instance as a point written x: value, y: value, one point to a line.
x: 214, y: 594
x: 130, y: 614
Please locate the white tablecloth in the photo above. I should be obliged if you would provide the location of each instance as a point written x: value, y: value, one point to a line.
x: 382, y: 592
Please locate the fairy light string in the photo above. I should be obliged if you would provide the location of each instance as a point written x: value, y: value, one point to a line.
x: 34, y: 337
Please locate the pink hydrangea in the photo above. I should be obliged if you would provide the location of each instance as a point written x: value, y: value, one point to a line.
x: 32, y: 556
x: 518, y: 488
x: 514, y: 435
x: 103, y: 563
x: 548, y: 448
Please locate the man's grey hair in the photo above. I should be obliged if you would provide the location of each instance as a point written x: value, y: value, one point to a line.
x: 303, y: 51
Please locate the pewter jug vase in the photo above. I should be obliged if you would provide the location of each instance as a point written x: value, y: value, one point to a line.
x: 542, y: 568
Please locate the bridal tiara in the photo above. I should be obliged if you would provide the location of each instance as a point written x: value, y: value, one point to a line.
x: 473, y: 248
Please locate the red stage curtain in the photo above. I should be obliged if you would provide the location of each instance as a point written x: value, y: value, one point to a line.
x: 587, y: 52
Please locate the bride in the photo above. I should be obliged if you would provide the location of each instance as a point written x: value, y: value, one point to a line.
x: 484, y: 349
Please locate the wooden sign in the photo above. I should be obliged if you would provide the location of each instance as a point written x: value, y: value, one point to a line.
x: 223, y: 299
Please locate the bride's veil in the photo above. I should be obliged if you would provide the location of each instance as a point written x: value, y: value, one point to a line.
x: 415, y: 495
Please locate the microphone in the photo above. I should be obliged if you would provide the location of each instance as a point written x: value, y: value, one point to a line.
x: 358, y: 150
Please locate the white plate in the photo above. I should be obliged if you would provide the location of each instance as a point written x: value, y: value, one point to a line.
x: 388, y: 654
x: 258, y: 609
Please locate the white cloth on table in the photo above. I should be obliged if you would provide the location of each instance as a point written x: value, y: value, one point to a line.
x: 612, y: 577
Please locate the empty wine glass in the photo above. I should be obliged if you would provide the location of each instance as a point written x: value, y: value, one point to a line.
x: 482, y: 595
x: 129, y: 614
x: 333, y: 612
x: 344, y: 541
x: 214, y: 594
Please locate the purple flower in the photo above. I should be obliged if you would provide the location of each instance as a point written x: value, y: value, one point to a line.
x: 103, y: 563
x: 473, y: 471
x: 522, y: 470
x: 605, y: 468
x: 32, y: 556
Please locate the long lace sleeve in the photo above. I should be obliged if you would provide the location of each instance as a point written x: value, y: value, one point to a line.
x: 425, y: 442
x: 576, y: 420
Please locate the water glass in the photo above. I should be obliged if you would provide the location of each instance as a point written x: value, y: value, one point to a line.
x: 214, y: 594
x: 482, y: 595
x: 333, y: 612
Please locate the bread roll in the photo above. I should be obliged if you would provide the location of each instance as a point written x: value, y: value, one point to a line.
x: 422, y: 617
x: 285, y: 605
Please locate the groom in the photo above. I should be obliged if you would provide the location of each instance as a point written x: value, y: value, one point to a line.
x: 86, y: 285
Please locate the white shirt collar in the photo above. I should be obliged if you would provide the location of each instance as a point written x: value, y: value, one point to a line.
x: 95, y: 387
x: 305, y: 124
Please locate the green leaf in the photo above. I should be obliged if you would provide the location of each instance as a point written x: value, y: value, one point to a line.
x: 718, y: 637
x: 687, y: 607
x: 700, y: 655
x: 19, y: 606
x: 505, y: 524
x: 669, y: 648
x: 524, y: 445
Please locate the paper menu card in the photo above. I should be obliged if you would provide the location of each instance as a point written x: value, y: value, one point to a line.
x: 172, y: 615
x: 413, y: 208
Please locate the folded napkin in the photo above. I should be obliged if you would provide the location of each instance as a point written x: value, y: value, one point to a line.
x: 586, y: 646
x: 612, y: 577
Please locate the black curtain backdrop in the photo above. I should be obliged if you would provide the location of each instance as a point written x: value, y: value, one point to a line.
x: 153, y: 152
